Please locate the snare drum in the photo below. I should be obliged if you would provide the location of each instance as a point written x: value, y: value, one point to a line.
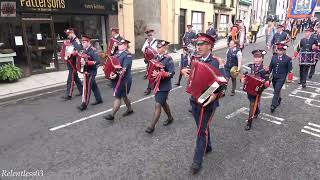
x: 307, y: 58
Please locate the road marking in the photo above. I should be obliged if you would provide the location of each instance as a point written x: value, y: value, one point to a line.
x: 314, y: 130
x: 266, y: 119
x: 263, y: 116
x: 311, y: 133
x: 100, y: 113
x: 312, y: 124
x: 277, y: 118
x: 236, y: 112
x: 307, y: 101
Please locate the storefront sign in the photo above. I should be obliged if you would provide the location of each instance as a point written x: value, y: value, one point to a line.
x: 8, y: 9
x: 102, y: 7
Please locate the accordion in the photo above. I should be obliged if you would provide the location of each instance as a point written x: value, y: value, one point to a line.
x: 204, y: 80
x: 154, y: 65
x: 253, y: 84
x: 112, y: 46
x: 112, y: 65
x: 81, y: 62
x: 150, y: 53
x: 66, y: 50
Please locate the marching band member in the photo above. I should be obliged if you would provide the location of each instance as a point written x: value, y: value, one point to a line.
x: 73, y: 75
x: 161, y: 94
x: 92, y: 63
x: 242, y: 34
x: 317, y: 38
x: 294, y: 33
x: 204, y: 45
x: 234, y: 34
x: 211, y: 31
x: 122, y: 91
x: 184, y: 61
x: 234, y: 58
x: 279, y: 37
x: 152, y: 42
x: 115, y: 36
x: 189, y: 36
x: 305, y: 49
x: 257, y: 69
x: 279, y: 67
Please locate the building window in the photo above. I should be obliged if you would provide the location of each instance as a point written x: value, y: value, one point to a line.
x: 232, y: 3
x: 197, y: 21
x: 224, y: 20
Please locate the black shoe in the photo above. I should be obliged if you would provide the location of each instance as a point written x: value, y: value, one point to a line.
x: 248, y: 127
x: 304, y: 86
x: 168, y: 122
x: 279, y: 101
x: 149, y: 130
x: 147, y: 92
x: 232, y: 93
x: 300, y: 82
x: 127, y: 113
x: 82, y: 107
x: 190, y: 110
x: 272, y: 109
x: 208, y: 149
x: 109, y: 117
x: 177, y: 84
x: 96, y: 103
x: 310, y: 77
x: 66, y: 98
x: 195, y: 168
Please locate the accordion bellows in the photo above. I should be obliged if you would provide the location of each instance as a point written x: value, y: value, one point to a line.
x: 204, y: 80
x: 112, y: 64
x: 150, y: 53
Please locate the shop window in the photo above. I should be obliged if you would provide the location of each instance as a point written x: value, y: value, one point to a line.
x: 198, y: 21
x: 224, y: 20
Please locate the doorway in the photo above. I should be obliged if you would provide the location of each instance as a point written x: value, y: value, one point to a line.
x: 182, y: 24
x: 39, y: 42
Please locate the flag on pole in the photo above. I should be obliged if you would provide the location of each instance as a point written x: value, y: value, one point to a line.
x: 301, y: 8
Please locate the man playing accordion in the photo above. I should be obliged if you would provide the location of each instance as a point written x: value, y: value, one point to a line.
x: 162, y: 85
x: 305, y: 50
x: 203, y: 113
x: 121, y: 81
x: 255, y: 81
x: 73, y: 77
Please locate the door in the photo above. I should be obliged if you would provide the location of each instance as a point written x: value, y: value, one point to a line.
x: 182, y: 24
x: 40, y: 43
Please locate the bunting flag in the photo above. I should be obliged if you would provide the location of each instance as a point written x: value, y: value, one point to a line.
x: 301, y: 8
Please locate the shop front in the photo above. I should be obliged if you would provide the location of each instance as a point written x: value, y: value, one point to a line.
x: 34, y: 29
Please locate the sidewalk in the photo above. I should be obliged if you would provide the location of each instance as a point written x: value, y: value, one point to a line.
x: 42, y: 82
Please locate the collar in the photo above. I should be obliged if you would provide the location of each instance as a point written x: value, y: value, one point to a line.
x: 206, y: 58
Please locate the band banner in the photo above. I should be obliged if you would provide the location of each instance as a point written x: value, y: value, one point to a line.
x: 301, y: 8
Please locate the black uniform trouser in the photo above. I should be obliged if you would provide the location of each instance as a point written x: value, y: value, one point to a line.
x: 304, y: 70
x: 277, y: 85
x: 254, y: 35
x: 312, y: 69
x: 91, y: 85
x: 73, y: 78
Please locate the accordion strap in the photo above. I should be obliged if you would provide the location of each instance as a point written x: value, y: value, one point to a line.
x: 118, y: 83
x: 156, y: 87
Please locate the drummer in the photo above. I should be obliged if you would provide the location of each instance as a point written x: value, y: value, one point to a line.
x: 306, y: 56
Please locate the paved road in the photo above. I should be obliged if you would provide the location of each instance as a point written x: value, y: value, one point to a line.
x: 45, y: 133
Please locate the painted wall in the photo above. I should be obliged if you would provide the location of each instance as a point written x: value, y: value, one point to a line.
x: 126, y: 22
